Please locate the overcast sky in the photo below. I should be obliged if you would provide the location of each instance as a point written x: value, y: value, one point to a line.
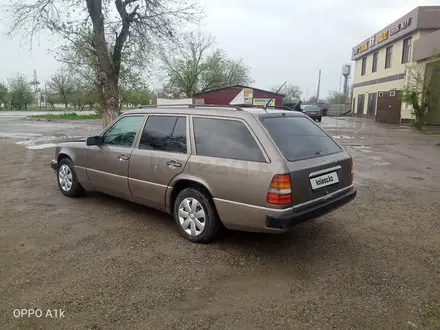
x: 279, y: 39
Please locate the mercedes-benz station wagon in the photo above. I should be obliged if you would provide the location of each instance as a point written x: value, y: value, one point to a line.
x: 213, y: 167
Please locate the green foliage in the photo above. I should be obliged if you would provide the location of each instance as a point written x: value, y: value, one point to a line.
x: 61, y: 84
x: 417, y: 93
x: 134, y: 98
x: 20, y: 92
x: 4, y: 95
x: 191, y: 67
x: 68, y: 116
x: 336, y: 98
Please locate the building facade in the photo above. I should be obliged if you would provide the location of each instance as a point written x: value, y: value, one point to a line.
x: 381, y: 63
x: 250, y: 96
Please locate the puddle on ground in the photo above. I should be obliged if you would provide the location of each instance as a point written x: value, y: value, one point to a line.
x: 43, y: 142
x: 19, y: 135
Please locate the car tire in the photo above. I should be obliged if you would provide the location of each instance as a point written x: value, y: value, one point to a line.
x: 320, y: 119
x: 67, y: 179
x: 190, y: 207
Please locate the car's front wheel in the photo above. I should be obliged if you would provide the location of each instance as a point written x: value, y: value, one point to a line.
x: 196, y: 216
x: 67, y: 179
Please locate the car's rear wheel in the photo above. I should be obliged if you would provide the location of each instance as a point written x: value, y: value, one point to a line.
x: 67, y: 179
x: 196, y: 216
x: 320, y: 119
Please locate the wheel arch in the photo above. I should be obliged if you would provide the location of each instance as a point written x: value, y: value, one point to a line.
x: 65, y: 153
x: 182, y: 183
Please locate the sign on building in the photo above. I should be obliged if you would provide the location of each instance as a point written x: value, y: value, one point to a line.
x: 263, y: 102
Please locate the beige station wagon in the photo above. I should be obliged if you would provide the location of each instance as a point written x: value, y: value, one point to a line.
x: 213, y: 167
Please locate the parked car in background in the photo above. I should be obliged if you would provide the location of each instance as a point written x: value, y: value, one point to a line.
x: 213, y: 167
x: 313, y: 111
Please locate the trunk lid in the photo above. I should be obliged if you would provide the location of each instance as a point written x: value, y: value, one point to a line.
x: 317, y: 177
x: 317, y: 164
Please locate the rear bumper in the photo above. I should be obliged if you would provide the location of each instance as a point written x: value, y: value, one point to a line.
x: 311, y: 212
x: 54, y: 164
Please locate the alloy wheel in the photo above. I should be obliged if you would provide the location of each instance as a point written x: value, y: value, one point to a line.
x: 65, y: 177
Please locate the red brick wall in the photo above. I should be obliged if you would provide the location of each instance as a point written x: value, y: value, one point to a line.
x: 225, y: 96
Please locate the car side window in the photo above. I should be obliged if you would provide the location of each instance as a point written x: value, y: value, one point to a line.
x: 178, y: 138
x: 225, y: 139
x: 164, y: 133
x: 123, y: 132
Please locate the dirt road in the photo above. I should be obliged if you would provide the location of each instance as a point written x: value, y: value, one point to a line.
x: 111, y: 264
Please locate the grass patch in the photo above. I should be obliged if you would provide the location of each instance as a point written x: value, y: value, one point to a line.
x: 68, y: 116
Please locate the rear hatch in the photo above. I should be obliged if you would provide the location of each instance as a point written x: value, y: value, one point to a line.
x: 317, y: 164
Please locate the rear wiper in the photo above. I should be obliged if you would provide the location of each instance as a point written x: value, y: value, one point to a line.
x: 318, y: 153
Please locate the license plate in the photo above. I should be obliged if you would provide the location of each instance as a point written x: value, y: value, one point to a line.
x: 324, y: 180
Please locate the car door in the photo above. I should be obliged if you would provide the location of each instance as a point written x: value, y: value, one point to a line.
x: 162, y: 153
x: 107, y: 168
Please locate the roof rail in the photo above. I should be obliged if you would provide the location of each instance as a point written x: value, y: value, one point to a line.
x: 236, y: 107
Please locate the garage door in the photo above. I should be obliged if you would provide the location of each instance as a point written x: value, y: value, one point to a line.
x: 389, y: 106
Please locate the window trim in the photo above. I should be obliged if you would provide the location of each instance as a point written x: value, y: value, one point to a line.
x: 374, y: 63
x: 409, y: 50
x: 391, y: 56
x: 364, y: 67
x: 118, y: 119
x: 251, y: 131
x: 188, y: 146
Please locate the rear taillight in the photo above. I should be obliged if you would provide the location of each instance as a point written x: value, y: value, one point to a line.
x: 280, y: 190
x: 352, y: 171
x: 319, y: 113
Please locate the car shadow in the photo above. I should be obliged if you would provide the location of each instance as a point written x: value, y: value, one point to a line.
x: 324, y: 237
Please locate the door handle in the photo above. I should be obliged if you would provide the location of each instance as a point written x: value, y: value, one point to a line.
x: 123, y: 157
x: 173, y: 163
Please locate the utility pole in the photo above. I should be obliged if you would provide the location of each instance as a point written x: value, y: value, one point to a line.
x: 319, y: 86
x: 45, y: 94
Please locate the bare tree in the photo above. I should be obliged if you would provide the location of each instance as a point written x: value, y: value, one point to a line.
x: 292, y: 93
x: 192, y: 67
x: 116, y: 26
x: 61, y: 83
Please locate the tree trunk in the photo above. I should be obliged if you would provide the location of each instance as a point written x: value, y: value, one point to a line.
x: 107, y: 77
x: 111, y: 101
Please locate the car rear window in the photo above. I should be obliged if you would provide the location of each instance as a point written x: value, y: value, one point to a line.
x: 299, y: 138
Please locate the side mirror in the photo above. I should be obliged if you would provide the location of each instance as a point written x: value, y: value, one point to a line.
x: 93, y: 140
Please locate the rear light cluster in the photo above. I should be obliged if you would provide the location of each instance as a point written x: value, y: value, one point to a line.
x: 280, y: 190
x: 319, y: 113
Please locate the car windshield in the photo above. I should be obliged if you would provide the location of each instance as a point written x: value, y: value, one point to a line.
x: 299, y: 138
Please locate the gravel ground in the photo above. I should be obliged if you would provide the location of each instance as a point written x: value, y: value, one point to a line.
x: 111, y: 264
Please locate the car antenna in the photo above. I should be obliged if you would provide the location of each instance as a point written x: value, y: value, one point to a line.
x: 265, y: 107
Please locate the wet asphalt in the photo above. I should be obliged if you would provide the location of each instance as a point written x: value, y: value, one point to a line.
x: 111, y: 264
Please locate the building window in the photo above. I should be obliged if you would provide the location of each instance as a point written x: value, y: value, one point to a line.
x: 388, y: 57
x: 406, y: 53
x: 375, y: 59
x: 364, y: 66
